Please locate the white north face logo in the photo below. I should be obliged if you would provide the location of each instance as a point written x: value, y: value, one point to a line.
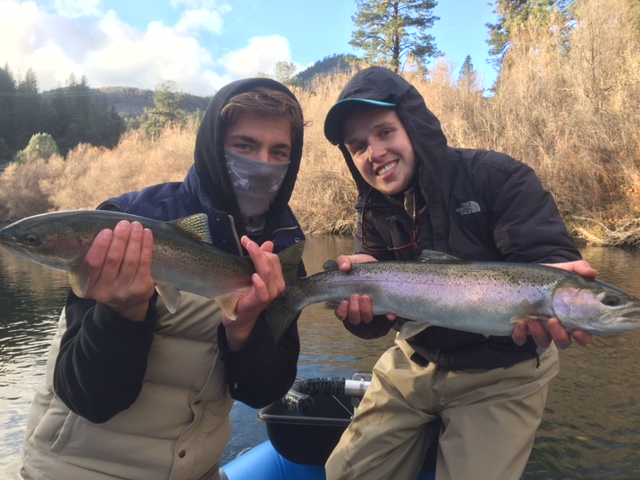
x: 467, y: 208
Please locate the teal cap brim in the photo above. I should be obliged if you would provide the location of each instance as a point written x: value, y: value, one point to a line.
x: 341, y: 110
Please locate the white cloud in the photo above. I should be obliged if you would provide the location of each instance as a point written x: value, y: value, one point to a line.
x: 200, y: 20
x: 260, y: 56
x: 148, y: 59
x: 78, y: 8
x: 197, y: 4
x: 29, y: 39
x: 110, y: 52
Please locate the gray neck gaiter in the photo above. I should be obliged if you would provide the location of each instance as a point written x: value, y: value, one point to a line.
x: 255, y: 184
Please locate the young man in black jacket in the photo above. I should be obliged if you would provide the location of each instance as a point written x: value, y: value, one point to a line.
x: 416, y: 193
x: 134, y: 391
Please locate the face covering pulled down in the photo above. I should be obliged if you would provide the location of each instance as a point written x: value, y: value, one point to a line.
x: 255, y: 184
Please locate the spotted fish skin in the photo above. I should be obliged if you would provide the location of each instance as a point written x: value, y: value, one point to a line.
x: 486, y: 298
x: 183, y: 257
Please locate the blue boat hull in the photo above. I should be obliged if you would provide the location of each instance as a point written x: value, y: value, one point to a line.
x: 265, y: 463
x: 301, y: 439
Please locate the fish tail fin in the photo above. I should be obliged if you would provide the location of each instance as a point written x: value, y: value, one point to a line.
x: 279, y: 315
x: 290, y: 259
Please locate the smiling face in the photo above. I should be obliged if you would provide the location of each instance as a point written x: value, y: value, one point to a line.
x: 380, y: 148
x: 260, y: 137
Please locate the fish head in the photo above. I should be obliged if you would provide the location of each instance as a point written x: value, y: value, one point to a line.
x: 48, y: 239
x: 596, y: 307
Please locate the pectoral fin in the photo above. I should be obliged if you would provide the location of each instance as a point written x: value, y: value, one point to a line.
x: 229, y: 302
x: 410, y: 328
x: 528, y: 311
x: 79, y: 281
x: 170, y: 297
x: 524, y: 318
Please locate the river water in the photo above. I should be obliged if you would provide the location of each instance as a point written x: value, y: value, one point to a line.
x: 591, y: 427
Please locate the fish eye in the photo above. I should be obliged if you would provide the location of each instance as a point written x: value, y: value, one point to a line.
x: 31, y: 239
x: 610, y: 300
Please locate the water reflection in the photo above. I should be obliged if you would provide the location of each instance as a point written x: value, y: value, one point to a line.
x: 591, y: 428
x: 327, y: 349
x: 30, y: 300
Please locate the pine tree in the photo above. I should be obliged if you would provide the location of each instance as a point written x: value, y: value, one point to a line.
x: 512, y: 13
x: 27, y: 112
x: 392, y: 30
x: 73, y: 109
x: 168, y: 109
x: 468, y: 77
x: 8, y: 92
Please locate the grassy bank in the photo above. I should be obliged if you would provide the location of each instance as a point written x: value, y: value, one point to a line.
x: 572, y: 114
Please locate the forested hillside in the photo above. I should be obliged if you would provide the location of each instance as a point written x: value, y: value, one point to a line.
x: 128, y: 101
x: 78, y: 113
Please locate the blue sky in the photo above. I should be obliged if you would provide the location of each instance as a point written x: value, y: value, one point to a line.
x: 202, y: 44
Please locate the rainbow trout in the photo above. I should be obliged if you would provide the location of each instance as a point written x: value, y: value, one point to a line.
x: 183, y: 256
x: 485, y: 298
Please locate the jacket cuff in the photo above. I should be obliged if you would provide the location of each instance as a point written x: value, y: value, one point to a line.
x: 255, y: 347
x: 115, y: 330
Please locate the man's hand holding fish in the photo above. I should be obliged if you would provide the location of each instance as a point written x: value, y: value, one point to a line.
x: 266, y: 284
x: 118, y: 267
x: 553, y: 330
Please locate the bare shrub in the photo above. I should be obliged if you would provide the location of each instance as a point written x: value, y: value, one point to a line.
x: 569, y: 108
x: 325, y: 195
x: 91, y: 175
x: 20, y: 192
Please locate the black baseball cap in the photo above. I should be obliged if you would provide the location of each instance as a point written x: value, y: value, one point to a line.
x: 341, y: 110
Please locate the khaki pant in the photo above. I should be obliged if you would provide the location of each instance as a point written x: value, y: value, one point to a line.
x: 489, y: 420
x: 214, y: 474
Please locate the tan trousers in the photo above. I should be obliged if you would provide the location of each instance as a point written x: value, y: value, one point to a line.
x: 489, y: 420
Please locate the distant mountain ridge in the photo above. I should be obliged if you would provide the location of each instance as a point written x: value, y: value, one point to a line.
x: 342, y: 63
x: 130, y: 102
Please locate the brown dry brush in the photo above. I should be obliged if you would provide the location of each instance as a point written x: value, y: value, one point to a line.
x: 325, y: 193
x: 89, y: 175
x: 573, y: 114
x: 576, y: 112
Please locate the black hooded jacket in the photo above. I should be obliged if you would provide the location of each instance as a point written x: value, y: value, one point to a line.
x: 474, y: 204
x: 102, y: 352
x: 212, y: 167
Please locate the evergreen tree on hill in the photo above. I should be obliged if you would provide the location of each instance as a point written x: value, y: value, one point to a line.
x: 8, y: 90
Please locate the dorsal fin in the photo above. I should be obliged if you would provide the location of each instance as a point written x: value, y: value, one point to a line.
x: 195, y: 226
x: 437, y: 257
